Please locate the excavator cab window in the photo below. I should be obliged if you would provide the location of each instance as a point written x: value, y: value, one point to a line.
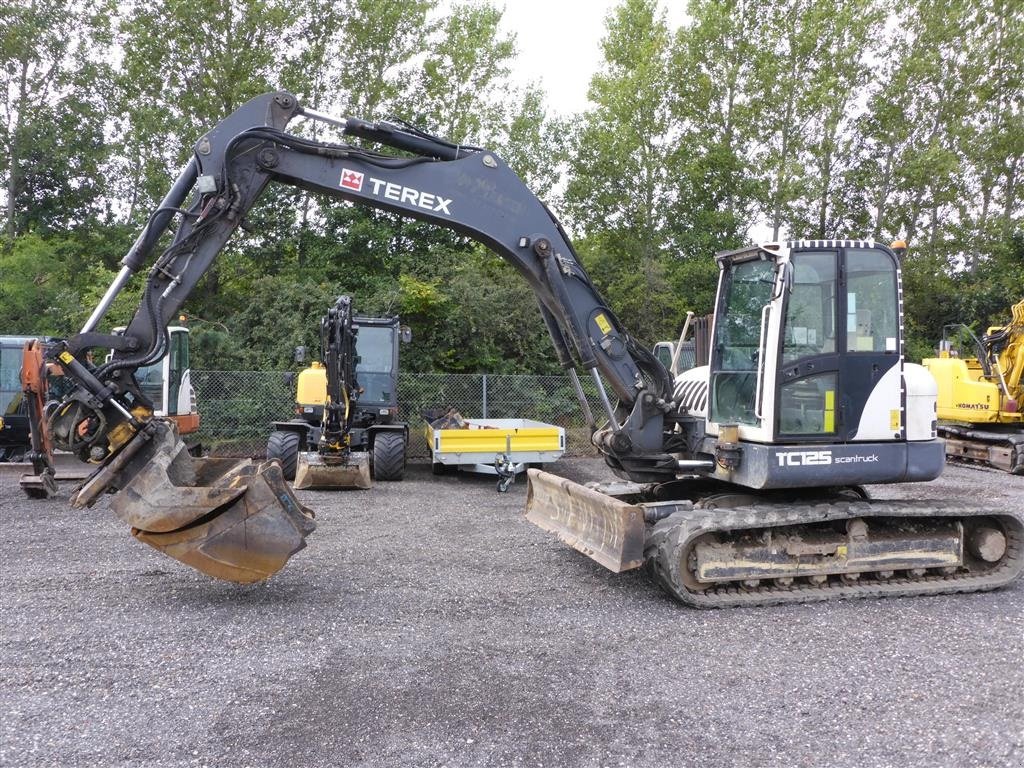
x: 10, y: 382
x: 807, y: 405
x: 179, y: 364
x: 811, y: 311
x: 151, y: 382
x: 375, y: 368
x: 871, y: 322
x: 746, y: 292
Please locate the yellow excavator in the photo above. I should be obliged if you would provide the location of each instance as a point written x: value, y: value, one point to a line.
x: 981, y: 393
x: 741, y: 480
x: 346, y: 432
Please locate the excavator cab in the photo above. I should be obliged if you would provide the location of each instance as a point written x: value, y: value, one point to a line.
x: 807, y: 365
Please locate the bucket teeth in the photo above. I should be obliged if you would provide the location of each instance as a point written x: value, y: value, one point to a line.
x: 317, y: 472
x: 231, y: 519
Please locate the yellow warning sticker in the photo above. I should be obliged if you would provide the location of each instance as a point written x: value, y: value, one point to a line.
x: 67, y: 357
x: 602, y: 323
x: 830, y: 411
x: 841, y: 551
x: 894, y: 419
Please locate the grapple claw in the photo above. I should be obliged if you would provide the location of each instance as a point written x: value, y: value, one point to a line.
x: 229, y: 518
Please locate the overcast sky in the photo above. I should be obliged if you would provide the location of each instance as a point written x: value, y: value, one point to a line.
x: 559, y: 43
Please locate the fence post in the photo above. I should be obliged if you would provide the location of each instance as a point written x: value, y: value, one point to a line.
x: 485, y: 396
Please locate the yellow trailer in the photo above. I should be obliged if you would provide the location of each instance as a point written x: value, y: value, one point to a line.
x: 475, y: 446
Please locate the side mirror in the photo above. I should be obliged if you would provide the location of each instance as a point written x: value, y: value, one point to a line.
x: 300, y: 355
x: 404, y: 334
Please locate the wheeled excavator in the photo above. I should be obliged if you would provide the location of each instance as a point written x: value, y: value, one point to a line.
x: 346, y: 432
x: 981, y: 395
x: 742, y: 478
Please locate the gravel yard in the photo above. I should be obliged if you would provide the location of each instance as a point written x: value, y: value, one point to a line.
x: 428, y: 624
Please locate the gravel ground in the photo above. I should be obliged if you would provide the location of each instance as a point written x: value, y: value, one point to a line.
x: 428, y: 624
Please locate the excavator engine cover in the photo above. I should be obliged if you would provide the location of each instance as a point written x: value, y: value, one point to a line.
x: 229, y: 518
x: 317, y: 471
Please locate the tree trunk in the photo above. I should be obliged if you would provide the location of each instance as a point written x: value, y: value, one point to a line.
x: 883, y: 191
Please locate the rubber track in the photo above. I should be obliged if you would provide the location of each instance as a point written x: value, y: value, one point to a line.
x: 985, y: 440
x: 669, y: 541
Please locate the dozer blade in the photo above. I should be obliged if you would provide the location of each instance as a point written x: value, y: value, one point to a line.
x: 605, y: 529
x: 230, y: 519
x: 318, y: 472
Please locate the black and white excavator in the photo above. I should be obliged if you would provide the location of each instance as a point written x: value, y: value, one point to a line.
x: 741, y: 480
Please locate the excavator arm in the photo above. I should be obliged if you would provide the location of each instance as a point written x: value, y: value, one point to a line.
x: 337, y: 343
x: 202, y: 512
x: 334, y: 464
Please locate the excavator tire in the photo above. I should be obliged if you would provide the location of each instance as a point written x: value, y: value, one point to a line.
x: 913, y: 554
x: 283, y: 445
x: 389, y: 456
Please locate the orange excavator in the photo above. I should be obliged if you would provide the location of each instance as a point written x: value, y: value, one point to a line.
x: 42, y: 483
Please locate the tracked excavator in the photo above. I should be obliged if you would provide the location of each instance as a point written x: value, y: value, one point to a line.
x: 741, y: 479
x: 981, y: 393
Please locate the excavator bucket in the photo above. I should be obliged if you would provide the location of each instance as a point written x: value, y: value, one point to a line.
x: 603, y: 528
x: 229, y: 518
x: 318, y: 472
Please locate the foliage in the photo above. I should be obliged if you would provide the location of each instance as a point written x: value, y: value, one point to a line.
x: 802, y: 118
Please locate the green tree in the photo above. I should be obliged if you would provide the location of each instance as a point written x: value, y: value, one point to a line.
x: 621, y: 190
x: 716, y: 102
x: 458, y: 95
x: 187, y: 64
x: 52, y: 96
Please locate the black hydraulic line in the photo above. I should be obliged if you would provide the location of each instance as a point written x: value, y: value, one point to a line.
x: 557, y: 337
x: 392, y: 136
x: 161, y: 217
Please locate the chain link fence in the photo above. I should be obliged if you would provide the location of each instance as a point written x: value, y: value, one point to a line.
x: 236, y: 407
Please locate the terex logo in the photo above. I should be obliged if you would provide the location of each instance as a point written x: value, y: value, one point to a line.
x: 351, y: 179
x: 804, y: 458
x: 400, y: 194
